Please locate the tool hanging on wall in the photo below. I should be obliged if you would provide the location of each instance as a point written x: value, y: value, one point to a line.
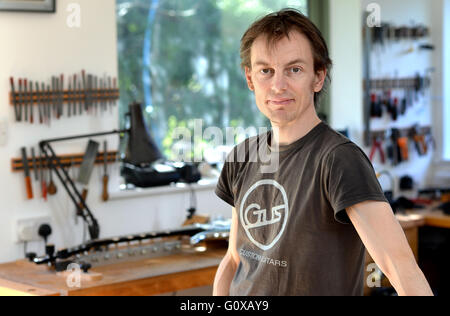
x: 388, y: 32
x: 105, y: 194
x: 52, y: 189
x: 398, y: 141
x: 86, y: 169
x: 403, y: 144
x: 43, y: 180
x: 378, y: 146
x: 28, y: 185
x: 407, y: 92
x: 31, y: 103
x: 51, y: 102
x: 15, y: 103
x: 43, y: 174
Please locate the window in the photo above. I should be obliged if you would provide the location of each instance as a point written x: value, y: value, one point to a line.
x: 180, y: 58
x: 446, y: 85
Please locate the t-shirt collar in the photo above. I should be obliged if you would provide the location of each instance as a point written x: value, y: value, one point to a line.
x: 298, y: 143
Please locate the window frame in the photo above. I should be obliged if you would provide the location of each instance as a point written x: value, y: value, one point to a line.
x: 441, y: 100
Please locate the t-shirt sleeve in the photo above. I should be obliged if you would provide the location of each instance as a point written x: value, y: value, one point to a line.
x: 224, y: 189
x: 350, y: 179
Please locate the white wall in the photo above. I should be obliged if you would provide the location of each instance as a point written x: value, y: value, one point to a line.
x: 346, y: 52
x: 38, y: 46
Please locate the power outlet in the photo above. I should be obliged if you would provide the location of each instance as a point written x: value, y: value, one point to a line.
x: 27, y: 229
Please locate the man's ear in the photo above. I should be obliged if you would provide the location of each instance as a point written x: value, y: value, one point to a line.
x: 320, y: 80
x: 248, y: 76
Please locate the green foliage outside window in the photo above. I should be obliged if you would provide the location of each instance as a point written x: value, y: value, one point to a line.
x: 180, y: 58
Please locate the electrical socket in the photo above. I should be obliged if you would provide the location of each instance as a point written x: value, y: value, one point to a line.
x: 27, y: 229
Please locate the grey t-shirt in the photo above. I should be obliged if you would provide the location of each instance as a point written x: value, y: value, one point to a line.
x: 294, y: 236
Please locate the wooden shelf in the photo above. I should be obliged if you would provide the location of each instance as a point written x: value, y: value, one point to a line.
x: 69, y: 160
x: 38, y: 98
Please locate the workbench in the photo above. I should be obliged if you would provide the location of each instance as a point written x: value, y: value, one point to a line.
x: 161, y: 275
x: 139, y: 278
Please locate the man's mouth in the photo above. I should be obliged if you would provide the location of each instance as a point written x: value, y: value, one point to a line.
x: 280, y: 101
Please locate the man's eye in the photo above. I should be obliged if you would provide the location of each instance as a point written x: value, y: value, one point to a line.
x: 295, y: 70
x: 265, y: 71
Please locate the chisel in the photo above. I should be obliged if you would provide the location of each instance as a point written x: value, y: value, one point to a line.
x: 102, y: 87
x: 57, y: 97
x: 49, y: 107
x: 43, y: 180
x: 83, y: 77
x: 80, y: 100
x: 89, y: 93
x: 53, y: 95
x: 115, y: 90
x: 96, y: 94
x: 20, y: 100
x: 75, y: 101
x: 61, y: 96
x: 86, y: 168
x: 15, y: 103
x: 51, y: 189
x: 110, y: 103
x: 33, y: 159
x: 25, y: 98
x: 69, y: 100
x: 105, y: 195
x: 31, y: 103
x: 39, y: 104
x: 28, y: 185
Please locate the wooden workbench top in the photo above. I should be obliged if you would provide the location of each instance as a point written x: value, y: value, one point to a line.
x: 145, y: 277
x: 153, y: 276
x: 429, y: 216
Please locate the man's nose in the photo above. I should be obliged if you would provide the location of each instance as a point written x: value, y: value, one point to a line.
x: 279, y: 83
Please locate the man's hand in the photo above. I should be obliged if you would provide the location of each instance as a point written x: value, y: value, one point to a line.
x: 228, y: 266
x: 385, y: 240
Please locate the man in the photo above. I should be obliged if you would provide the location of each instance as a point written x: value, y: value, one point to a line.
x: 300, y: 229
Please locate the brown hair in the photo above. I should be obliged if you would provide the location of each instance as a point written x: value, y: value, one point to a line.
x: 277, y: 26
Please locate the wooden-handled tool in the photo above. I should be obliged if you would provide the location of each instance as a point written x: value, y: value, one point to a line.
x: 48, y: 107
x: 61, y: 96
x: 378, y: 145
x: 25, y: 104
x: 51, y: 189
x: 86, y: 169
x: 39, y: 104
x: 28, y: 185
x: 105, y: 195
x: 404, y: 147
x: 43, y: 182
x: 20, y: 100
x: 31, y: 103
x: 35, y: 169
x: 16, y: 109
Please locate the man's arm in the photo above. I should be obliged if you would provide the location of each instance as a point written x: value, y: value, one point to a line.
x: 385, y: 240
x: 227, y: 268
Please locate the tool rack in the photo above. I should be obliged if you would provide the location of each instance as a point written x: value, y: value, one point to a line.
x: 68, y: 160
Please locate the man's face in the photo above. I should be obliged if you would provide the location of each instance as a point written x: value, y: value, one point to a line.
x: 283, y: 78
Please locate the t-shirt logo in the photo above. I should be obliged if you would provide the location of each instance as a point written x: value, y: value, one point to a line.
x: 254, y: 217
